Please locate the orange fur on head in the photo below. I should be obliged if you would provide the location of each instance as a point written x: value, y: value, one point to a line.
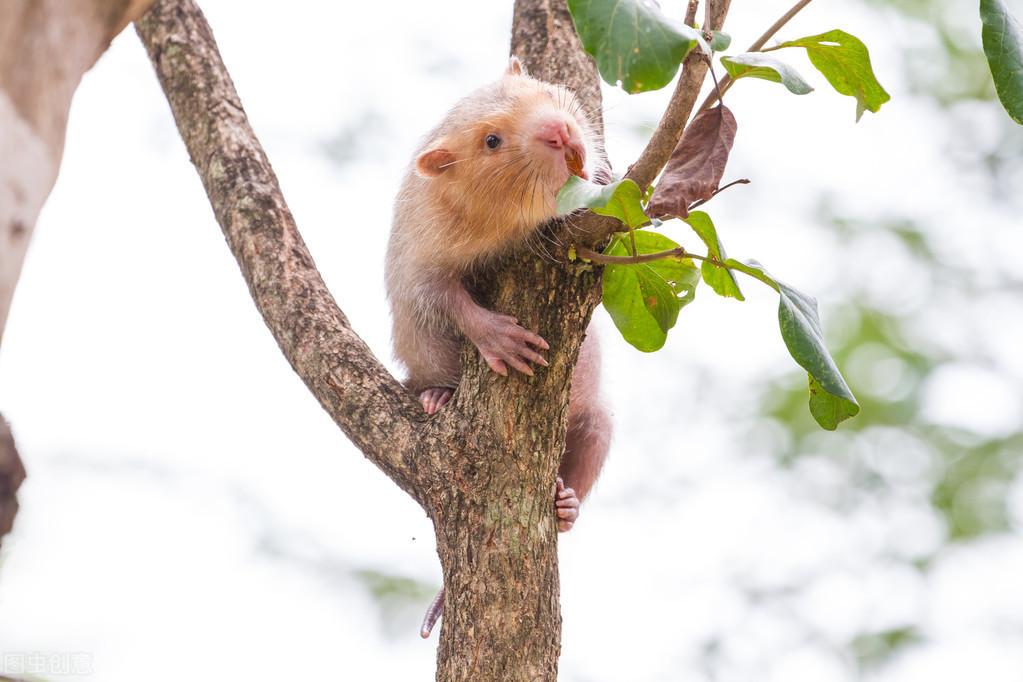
x: 485, y: 198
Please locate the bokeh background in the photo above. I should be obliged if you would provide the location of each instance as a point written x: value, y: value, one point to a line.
x: 191, y: 512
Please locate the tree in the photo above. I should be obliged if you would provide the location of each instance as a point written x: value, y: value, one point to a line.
x: 483, y: 468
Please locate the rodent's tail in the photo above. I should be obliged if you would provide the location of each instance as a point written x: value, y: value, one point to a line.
x: 433, y: 614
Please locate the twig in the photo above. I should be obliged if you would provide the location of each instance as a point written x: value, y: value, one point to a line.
x: 777, y: 26
x: 604, y: 259
x: 714, y: 77
x: 719, y: 190
x: 757, y: 46
x: 691, y: 13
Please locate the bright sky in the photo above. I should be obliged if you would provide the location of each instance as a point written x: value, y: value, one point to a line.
x: 191, y: 511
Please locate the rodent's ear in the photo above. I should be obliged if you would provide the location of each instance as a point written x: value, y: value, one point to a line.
x: 515, y: 67
x: 433, y: 162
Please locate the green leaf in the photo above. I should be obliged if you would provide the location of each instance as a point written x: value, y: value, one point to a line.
x: 1003, y: 45
x: 831, y: 401
x: 718, y: 278
x: 621, y: 199
x: 644, y: 299
x: 632, y: 41
x: 828, y: 409
x: 720, y: 41
x: 759, y: 65
x: 753, y: 269
x: 845, y: 62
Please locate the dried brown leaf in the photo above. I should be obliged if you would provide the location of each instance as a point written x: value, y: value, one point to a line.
x: 695, y: 168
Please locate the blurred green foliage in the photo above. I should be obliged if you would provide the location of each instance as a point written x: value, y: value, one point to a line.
x: 399, y: 599
x: 895, y: 448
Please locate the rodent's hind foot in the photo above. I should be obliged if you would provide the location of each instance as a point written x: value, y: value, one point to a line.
x: 435, y: 398
x: 566, y: 502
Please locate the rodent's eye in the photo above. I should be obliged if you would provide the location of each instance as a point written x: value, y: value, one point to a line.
x: 492, y: 141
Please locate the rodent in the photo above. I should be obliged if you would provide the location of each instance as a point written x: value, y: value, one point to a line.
x: 481, y: 183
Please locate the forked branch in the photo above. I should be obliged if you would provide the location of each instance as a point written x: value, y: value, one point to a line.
x: 369, y: 405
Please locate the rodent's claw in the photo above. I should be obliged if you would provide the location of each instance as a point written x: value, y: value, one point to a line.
x: 504, y: 343
x: 520, y: 365
x: 533, y: 356
x: 495, y: 363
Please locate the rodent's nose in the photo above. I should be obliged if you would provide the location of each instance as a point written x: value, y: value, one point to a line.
x: 554, y: 134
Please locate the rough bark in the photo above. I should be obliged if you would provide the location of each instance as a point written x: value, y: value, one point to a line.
x: 45, y: 47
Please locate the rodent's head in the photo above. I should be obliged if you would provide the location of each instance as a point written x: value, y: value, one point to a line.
x: 509, y: 147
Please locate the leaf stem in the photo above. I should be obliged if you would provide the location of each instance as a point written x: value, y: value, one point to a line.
x: 719, y: 190
x: 604, y: 259
x: 680, y: 252
x: 757, y: 46
x: 714, y: 77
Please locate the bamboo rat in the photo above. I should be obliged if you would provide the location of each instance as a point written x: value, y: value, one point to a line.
x: 482, y: 182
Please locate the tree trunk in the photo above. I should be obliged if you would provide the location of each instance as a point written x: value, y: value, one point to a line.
x: 498, y: 541
x: 45, y: 47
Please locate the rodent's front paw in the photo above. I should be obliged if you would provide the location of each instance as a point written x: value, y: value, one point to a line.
x: 567, y: 505
x: 505, y: 343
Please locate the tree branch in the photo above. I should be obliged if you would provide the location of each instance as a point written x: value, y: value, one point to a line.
x: 756, y: 46
x: 679, y: 253
x: 673, y: 122
x: 777, y: 26
x: 690, y: 19
x: 371, y: 407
